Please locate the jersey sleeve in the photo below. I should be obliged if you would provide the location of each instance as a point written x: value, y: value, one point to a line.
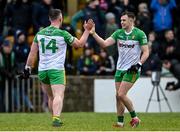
x: 68, y: 38
x: 114, y: 35
x: 142, y: 38
x: 35, y: 39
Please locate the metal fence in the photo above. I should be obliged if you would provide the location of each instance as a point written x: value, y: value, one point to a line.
x: 24, y: 95
x: 28, y: 96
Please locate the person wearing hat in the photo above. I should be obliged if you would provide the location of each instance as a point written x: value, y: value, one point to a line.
x: 111, y: 26
x: 7, y: 72
x: 21, y: 50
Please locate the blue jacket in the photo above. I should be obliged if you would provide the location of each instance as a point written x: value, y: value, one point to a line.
x: 162, y: 14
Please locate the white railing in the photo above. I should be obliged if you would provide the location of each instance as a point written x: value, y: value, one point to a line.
x: 23, y: 95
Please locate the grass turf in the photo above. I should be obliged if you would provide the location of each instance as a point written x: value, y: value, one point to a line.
x: 87, y: 122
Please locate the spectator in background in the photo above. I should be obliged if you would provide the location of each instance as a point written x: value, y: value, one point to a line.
x: 146, y: 69
x: 106, y: 65
x: 7, y: 72
x: 143, y: 18
x: 69, y: 59
x: 116, y: 9
x: 111, y: 26
x: 127, y: 6
x: 86, y: 64
x: 153, y: 63
x: 103, y: 4
x: 59, y: 4
x: 162, y: 19
x: 177, y: 21
x: 2, y: 6
x: 18, y: 16
x: 2, y: 108
x: 1, y: 42
x: 21, y: 50
x: 171, y: 58
x: 40, y: 13
x: 170, y: 47
x: 91, y: 11
x: 119, y: 6
x: 152, y: 40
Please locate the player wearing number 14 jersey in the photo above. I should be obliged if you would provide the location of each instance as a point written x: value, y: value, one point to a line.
x: 51, y: 42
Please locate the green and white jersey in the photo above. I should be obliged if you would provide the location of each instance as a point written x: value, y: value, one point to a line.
x: 129, y: 49
x: 52, y: 43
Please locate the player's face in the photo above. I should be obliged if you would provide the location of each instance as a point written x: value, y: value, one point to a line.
x: 125, y: 22
x: 7, y: 49
x: 21, y: 38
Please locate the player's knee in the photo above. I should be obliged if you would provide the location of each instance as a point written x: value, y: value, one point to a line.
x: 117, y: 97
x: 121, y: 96
x: 58, y: 98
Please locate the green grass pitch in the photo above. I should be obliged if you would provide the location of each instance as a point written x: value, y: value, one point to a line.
x: 82, y: 121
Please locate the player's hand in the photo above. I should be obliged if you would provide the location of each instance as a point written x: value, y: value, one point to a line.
x: 93, y: 30
x: 88, y: 25
x: 134, y: 68
x: 26, y: 73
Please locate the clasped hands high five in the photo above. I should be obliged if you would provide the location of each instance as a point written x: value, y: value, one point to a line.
x: 90, y: 26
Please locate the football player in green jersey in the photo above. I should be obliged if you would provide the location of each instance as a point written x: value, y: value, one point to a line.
x: 51, y: 42
x: 133, y: 52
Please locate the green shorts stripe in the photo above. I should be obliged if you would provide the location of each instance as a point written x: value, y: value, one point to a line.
x: 121, y: 75
x: 52, y: 76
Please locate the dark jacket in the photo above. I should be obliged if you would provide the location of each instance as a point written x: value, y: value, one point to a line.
x: 7, y: 66
x: 18, y: 16
x: 40, y: 15
x: 21, y: 52
x: 86, y: 62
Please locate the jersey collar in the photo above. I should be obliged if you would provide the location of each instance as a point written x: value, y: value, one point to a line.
x: 130, y: 31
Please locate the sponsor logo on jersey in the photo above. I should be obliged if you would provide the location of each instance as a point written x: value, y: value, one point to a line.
x: 123, y: 45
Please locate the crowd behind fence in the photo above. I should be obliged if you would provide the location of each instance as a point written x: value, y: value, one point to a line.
x: 23, y: 95
x: 17, y: 32
x: 28, y: 95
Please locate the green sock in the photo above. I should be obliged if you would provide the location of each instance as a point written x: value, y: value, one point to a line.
x: 121, y: 119
x: 133, y: 114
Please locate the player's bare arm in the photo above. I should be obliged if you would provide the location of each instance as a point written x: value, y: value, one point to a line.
x: 32, y: 55
x: 103, y: 43
x: 145, y: 53
x: 87, y: 27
